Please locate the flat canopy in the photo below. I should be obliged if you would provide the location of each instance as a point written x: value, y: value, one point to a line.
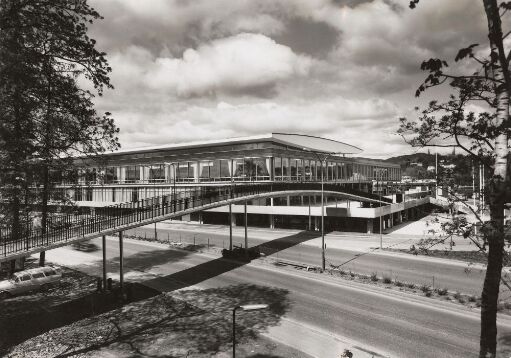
x: 315, y: 144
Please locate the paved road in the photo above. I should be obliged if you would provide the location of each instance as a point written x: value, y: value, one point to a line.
x: 395, y: 324
x: 439, y: 273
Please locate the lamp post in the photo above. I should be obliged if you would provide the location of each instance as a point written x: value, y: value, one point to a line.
x: 255, y: 307
x: 322, y: 161
x: 380, y: 172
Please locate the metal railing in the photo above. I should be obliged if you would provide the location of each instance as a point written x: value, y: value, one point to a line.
x: 66, y: 227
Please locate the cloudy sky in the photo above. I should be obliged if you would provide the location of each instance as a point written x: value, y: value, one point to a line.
x: 207, y: 69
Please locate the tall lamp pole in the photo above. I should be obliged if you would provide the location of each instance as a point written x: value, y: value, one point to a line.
x: 322, y: 161
x: 379, y: 179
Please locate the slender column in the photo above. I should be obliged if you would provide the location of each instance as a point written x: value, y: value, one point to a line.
x: 322, y: 221
x: 246, y: 224
x: 230, y: 227
x: 121, y: 262
x: 104, y: 262
x: 309, y: 213
x: 369, y: 226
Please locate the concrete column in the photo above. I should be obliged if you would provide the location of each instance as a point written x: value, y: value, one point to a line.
x: 104, y: 262
x: 272, y: 222
x: 230, y: 226
x: 369, y: 226
x: 316, y: 223
x: 288, y: 201
x: 309, y: 213
x: 246, y: 226
x: 121, y: 262
x: 271, y: 201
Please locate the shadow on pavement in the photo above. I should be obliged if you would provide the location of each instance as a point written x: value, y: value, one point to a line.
x: 41, y: 319
x: 216, y: 267
x: 187, y: 323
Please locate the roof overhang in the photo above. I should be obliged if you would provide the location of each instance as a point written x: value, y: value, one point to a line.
x: 315, y: 144
x: 296, y: 141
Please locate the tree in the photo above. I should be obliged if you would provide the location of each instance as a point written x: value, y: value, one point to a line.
x: 47, y: 118
x: 484, y: 136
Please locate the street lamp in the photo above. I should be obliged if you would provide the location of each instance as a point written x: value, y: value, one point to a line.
x: 254, y: 307
x: 323, y: 161
x: 380, y: 171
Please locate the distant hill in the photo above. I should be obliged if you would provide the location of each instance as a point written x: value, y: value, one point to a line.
x: 462, y: 171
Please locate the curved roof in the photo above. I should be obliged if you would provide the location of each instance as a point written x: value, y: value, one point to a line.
x: 298, y: 141
x: 316, y: 144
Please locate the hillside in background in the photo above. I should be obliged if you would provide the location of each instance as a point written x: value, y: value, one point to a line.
x: 462, y: 171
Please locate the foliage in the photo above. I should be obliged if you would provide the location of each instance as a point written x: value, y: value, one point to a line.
x: 46, y: 116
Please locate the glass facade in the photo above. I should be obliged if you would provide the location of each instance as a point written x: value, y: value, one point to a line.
x: 244, y: 169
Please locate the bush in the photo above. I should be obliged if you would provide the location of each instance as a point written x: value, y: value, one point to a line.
x: 427, y: 293
x: 457, y: 295
x: 398, y: 283
x: 442, y: 291
x: 352, y: 274
x: 374, y: 278
x: 410, y: 285
x: 387, y: 279
x: 425, y: 288
x: 472, y: 298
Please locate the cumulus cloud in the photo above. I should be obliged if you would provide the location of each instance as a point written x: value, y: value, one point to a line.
x: 234, y: 63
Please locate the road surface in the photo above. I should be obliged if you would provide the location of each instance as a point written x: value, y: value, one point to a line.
x: 392, y: 323
x: 360, y: 256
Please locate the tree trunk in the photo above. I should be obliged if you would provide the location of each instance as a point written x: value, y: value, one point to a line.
x: 496, y: 190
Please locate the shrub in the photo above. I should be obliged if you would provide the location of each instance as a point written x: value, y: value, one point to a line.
x: 461, y: 300
x: 425, y: 288
x: 352, y: 274
x: 410, y: 285
x: 457, y: 295
x: 398, y: 283
x: 387, y: 279
x: 427, y: 293
x: 472, y: 298
x: 441, y: 291
x: 374, y: 278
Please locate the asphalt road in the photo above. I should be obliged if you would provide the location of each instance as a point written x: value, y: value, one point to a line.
x: 438, y: 273
x: 396, y: 324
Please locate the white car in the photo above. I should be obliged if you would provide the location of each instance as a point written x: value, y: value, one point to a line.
x: 29, y: 280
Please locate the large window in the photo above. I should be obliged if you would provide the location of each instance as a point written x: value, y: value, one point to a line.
x: 110, y: 175
x: 205, y: 170
x: 277, y: 168
x: 285, y: 169
x: 157, y: 173
x: 132, y: 174
x: 262, y: 172
x: 239, y: 173
x: 185, y: 171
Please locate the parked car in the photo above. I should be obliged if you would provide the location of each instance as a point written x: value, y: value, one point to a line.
x: 30, y: 280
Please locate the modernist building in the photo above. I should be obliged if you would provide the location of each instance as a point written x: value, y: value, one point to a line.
x: 134, y: 174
